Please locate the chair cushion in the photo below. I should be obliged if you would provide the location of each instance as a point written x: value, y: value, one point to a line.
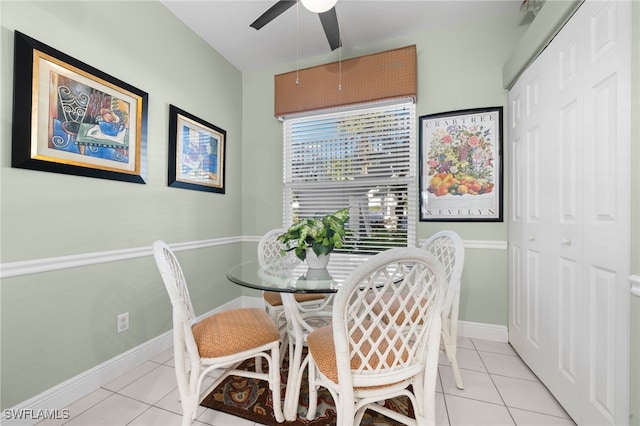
x: 275, y: 299
x: 322, y: 348
x: 233, y: 331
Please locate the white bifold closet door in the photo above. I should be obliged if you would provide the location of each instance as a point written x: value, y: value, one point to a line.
x: 569, y: 218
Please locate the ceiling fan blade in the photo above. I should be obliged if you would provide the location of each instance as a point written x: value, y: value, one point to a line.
x: 329, y: 21
x: 272, y: 13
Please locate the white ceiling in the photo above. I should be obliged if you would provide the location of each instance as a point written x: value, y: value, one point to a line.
x: 298, y: 34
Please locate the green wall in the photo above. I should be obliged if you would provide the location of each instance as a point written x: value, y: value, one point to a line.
x: 55, y: 325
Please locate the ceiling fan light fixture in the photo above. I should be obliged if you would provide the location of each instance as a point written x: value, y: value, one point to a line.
x: 318, y: 6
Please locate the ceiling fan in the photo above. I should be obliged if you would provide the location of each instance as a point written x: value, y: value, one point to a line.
x: 324, y: 8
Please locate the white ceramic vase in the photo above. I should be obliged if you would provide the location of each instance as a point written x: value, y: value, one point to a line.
x: 316, y: 262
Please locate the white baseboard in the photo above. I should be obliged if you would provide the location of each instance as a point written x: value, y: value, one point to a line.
x: 250, y: 302
x: 69, y: 391
x: 478, y: 330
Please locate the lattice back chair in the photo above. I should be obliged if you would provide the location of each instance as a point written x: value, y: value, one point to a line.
x: 220, y: 341
x: 448, y: 248
x: 368, y: 355
x: 74, y: 108
x: 271, y: 259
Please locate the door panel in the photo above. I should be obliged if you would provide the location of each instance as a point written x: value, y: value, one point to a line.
x: 570, y: 160
x: 565, y: 253
x: 526, y: 217
x: 607, y: 212
x: 601, y: 350
x: 568, y: 331
x: 532, y: 284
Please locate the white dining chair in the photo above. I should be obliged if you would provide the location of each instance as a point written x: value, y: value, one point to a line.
x: 272, y: 259
x: 219, y: 341
x: 368, y: 356
x: 448, y: 248
x: 296, y: 316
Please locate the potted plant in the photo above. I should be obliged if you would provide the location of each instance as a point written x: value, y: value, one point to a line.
x: 316, y: 237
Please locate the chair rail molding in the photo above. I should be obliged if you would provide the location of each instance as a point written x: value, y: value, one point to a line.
x: 34, y: 266
x: 480, y: 244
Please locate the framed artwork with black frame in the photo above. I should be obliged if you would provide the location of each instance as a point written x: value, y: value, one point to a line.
x: 461, y: 165
x: 196, y: 152
x: 71, y: 118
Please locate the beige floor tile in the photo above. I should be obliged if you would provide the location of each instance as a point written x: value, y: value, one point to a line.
x: 218, y: 418
x: 79, y: 407
x: 153, y: 386
x: 506, y: 365
x: 157, y: 417
x: 469, y: 412
x: 497, y: 347
x: 442, y: 418
x: 115, y: 410
x: 171, y: 402
x: 130, y: 376
x: 467, y: 359
x: 529, y: 418
x: 439, y: 383
x: 464, y: 342
x: 477, y: 385
x: 528, y: 395
x: 163, y: 357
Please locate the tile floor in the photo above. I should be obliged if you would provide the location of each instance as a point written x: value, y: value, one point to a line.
x: 499, y: 390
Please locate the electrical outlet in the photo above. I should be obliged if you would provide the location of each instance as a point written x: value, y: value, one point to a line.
x: 123, y: 322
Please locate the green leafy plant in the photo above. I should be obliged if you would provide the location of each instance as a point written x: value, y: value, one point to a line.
x: 322, y: 235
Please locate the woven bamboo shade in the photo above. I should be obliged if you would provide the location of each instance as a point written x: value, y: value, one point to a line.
x: 385, y: 75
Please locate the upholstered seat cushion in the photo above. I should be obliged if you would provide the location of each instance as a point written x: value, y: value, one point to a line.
x: 275, y: 299
x: 321, y: 346
x: 234, y: 331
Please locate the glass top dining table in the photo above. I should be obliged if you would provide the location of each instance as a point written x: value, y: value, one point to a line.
x: 292, y: 279
x: 289, y: 279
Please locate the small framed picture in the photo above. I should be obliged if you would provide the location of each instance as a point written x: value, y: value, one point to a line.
x: 461, y: 165
x: 196, y: 152
x: 69, y: 117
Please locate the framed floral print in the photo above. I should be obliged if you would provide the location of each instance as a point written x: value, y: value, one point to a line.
x: 196, y: 152
x: 71, y: 118
x: 461, y: 165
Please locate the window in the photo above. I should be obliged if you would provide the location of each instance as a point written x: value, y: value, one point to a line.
x: 364, y: 159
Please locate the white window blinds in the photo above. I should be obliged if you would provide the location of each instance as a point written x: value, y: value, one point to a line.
x: 364, y: 159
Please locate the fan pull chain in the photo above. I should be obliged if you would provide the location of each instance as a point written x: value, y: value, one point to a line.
x: 339, y: 54
x: 297, y: 43
x: 340, y: 70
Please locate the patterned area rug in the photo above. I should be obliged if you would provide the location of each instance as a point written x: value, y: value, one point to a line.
x: 251, y: 400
